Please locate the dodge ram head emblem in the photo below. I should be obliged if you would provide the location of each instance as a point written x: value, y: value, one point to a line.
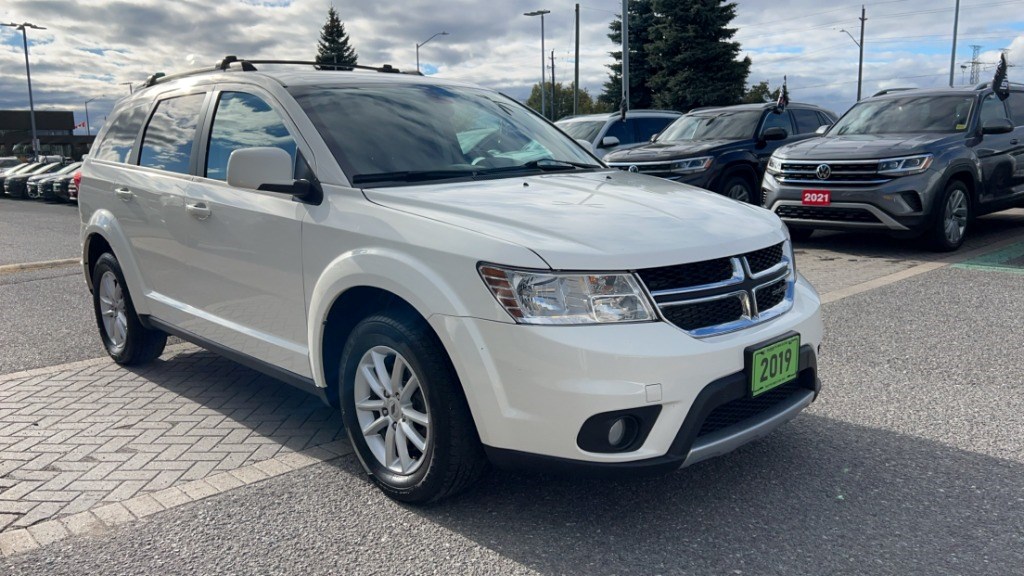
x: 823, y: 171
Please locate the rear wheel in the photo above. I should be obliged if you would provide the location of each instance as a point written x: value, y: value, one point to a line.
x: 738, y: 188
x: 127, y: 341
x: 405, y: 412
x: 951, y: 219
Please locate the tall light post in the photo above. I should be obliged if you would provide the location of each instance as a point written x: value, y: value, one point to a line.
x: 130, y: 91
x: 543, y: 80
x: 860, y: 45
x: 418, y: 46
x: 24, y: 26
x: 88, y: 127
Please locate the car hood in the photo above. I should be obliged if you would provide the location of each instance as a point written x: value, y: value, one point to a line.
x: 596, y: 220
x: 658, y: 151
x: 864, y: 146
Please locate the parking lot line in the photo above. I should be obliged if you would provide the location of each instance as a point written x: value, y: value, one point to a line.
x: 922, y: 268
x: 46, y: 265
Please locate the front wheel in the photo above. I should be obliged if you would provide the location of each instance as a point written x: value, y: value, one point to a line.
x: 952, y: 217
x: 405, y: 413
x: 127, y: 341
x: 738, y: 188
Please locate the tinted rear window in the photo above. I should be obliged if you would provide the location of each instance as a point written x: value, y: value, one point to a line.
x: 167, y: 143
x: 117, y: 143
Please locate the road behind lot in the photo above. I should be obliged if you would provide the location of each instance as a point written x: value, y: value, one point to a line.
x: 911, y: 462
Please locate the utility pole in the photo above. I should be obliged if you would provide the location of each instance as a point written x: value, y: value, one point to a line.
x: 541, y: 13
x: 625, y: 56
x: 952, y: 57
x: 576, y: 77
x: 860, y: 63
x: 554, y: 98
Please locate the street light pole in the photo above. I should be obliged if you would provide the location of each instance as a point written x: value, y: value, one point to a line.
x: 860, y: 45
x: 130, y: 91
x: 88, y: 127
x: 24, y: 26
x: 543, y: 80
x: 424, y: 44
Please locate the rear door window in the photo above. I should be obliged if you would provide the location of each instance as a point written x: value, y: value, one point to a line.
x: 647, y: 127
x: 171, y: 133
x: 807, y: 121
x: 621, y: 130
x: 117, y: 143
x: 1016, y: 102
x: 243, y: 121
x: 992, y: 108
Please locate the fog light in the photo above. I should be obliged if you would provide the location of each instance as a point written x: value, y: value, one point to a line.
x: 617, y: 432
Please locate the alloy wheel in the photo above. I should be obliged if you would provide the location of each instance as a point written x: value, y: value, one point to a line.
x: 955, y: 216
x: 112, y: 309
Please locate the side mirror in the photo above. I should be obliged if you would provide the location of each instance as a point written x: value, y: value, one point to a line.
x: 265, y: 168
x: 822, y: 129
x: 774, y: 133
x: 609, y: 142
x: 654, y: 138
x: 997, y: 126
x: 585, y: 144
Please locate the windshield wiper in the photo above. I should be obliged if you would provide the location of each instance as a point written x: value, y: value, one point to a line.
x: 544, y: 165
x: 412, y: 176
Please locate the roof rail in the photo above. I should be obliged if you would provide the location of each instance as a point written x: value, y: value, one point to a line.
x: 987, y: 83
x: 249, y: 66
x: 890, y: 91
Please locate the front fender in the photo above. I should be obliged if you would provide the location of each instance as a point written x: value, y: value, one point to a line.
x: 103, y: 224
x: 422, y: 286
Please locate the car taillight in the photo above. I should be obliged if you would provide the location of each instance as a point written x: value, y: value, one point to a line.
x: 78, y: 178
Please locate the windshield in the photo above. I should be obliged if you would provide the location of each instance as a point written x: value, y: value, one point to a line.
x: 908, y: 114
x: 582, y: 130
x: 400, y: 134
x: 712, y: 126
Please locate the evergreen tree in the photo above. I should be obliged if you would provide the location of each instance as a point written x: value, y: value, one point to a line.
x: 642, y: 22
x: 696, y: 62
x: 334, y: 47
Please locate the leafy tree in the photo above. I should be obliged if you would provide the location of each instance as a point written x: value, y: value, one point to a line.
x: 760, y: 93
x: 334, y: 47
x: 563, y: 99
x: 696, y: 63
x: 642, y: 31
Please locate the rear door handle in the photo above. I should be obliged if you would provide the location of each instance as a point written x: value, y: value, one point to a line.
x: 198, y: 209
x: 124, y: 194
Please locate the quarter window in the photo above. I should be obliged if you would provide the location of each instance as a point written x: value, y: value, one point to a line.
x: 117, y: 144
x: 243, y: 121
x: 167, y: 143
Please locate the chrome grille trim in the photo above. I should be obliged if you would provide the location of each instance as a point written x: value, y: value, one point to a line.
x: 737, y: 277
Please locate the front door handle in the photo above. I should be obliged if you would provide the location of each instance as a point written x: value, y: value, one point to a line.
x: 1014, y: 141
x: 124, y: 194
x: 198, y: 209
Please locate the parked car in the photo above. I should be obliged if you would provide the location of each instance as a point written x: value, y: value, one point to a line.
x: 460, y: 303
x: 41, y: 187
x: 725, y: 149
x: 60, y: 188
x: 605, y: 133
x: 8, y: 162
x: 16, y: 186
x: 19, y: 169
x: 917, y: 163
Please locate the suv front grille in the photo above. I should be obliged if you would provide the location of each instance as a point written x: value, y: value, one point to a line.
x: 845, y: 173
x: 724, y: 294
x: 829, y: 214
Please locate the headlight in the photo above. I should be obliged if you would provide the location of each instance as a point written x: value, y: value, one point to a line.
x: 774, y: 165
x: 692, y: 165
x: 539, y: 297
x: 905, y: 166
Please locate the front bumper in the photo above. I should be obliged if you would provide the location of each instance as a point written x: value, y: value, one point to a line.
x: 901, y: 204
x: 532, y: 388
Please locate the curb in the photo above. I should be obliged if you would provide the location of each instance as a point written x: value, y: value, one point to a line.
x: 29, y: 266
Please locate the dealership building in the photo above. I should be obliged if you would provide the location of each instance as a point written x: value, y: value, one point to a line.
x: 54, y: 129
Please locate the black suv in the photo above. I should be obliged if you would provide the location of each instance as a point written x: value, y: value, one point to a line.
x: 725, y: 149
x: 914, y: 162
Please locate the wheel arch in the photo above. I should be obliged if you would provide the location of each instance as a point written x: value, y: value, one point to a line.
x: 103, y: 234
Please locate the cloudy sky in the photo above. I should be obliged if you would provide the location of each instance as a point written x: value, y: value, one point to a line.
x: 92, y: 47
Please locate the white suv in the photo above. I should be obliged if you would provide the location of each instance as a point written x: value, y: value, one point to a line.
x: 465, y: 282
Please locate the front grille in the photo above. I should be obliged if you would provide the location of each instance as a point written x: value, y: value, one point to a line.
x: 687, y: 275
x: 771, y: 295
x: 862, y: 173
x: 715, y: 296
x: 765, y: 258
x: 654, y: 169
x: 704, y: 314
x: 829, y: 214
x: 737, y: 411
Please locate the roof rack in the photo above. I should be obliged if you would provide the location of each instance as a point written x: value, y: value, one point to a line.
x: 249, y: 66
x: 890, y: 91
x: 987, y: 83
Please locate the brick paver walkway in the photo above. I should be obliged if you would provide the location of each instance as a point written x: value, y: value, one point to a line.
x: 80, y: 437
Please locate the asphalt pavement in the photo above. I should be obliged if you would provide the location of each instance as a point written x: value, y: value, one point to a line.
x: 36, y: 231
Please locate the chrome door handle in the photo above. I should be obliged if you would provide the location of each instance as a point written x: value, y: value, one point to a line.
x: 124, y: 194
x: 198, y: 209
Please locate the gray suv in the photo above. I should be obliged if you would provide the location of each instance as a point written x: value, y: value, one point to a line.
x: 917, y: 163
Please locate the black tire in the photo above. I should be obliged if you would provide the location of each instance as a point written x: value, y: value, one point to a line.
x: 140, y: 344
x: 801, y: 234
x: 940, y: 237
x: 453, y: 458
x: 735, y: 183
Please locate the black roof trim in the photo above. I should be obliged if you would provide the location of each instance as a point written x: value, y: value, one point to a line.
x: 249, y: 66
